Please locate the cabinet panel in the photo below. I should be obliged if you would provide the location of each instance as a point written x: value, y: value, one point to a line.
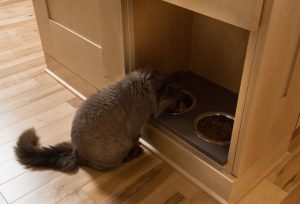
x: 218, y: 51
x: 88, y: 11
x: 78, y: 54
x: 270, y: 117
x: 83, y: 36
x: 162, y: 35
x: 244, y: 14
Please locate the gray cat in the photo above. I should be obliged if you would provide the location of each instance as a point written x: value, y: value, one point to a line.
x: 106, y: 128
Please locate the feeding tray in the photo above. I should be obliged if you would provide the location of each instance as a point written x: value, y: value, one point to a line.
x: 207, y: 97
x: 185, y: 104
x: 214, y: 127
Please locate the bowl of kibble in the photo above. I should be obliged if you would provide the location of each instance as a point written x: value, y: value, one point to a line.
x: 214, y: 127
x: 186, y: 103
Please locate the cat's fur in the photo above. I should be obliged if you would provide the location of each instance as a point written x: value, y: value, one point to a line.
x: 107, y: 126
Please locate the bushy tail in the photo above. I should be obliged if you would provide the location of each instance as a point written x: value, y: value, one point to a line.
x: 60, y: 157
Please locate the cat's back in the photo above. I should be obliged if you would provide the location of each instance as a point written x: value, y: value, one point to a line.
x: 112, y: 102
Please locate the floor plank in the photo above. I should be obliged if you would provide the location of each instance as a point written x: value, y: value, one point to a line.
x: 24, y: 87
x: 287, y: 175
x: 76, y: 102
x: 15, y: 73
x: 2, y: 200
x: 264, y: 193
x: 28, y: 97
x: 26, y: 183
x: 50, y: 134
x: 39, y: 120
x: 108, y: 186
x: 36, y: 107
x: 163, y: 193
x: 293, y: 197
x: 142, y: 186
x: 9, y: 170
x: 77, y: 197
x: 16, y: 55
x: 59, y: 187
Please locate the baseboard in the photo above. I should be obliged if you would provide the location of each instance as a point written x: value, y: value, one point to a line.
x: 61, y: 81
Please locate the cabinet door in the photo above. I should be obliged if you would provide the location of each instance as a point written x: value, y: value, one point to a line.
x: 83, y: 36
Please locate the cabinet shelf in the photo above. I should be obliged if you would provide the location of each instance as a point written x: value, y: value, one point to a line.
x: 210, y: 97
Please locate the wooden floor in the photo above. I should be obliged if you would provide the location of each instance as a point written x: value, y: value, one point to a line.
x: 29, y: 97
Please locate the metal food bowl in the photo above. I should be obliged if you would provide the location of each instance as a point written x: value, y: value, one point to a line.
x: 189, y: 100
x: 207, y: 138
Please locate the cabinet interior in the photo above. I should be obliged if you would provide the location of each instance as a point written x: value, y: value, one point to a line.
x: 172, y: 39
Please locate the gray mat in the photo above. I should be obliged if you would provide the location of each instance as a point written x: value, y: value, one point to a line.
x: 210, y: 97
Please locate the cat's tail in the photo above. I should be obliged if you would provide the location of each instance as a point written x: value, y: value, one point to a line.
x: 59, y: 157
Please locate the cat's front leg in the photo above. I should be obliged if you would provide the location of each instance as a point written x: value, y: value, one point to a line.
x: 135, y: 151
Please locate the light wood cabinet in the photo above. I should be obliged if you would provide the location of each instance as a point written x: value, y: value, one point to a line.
x: 248, y: 47
x: 83, y: 37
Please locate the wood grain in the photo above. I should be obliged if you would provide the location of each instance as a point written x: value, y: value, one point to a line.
x: 218, y: 51
x: 15, y: 188
x: 70, y: 77
x: 293, y: 197
x: 33, y: 108
x: 77, y: 197
x: 76, y: 102
x: 245, y: 14
x: 144, y: 185
x: 116, y: 181
x: 39, y: 120
x: 28, y: 97
x: 286, y: 175
x: 264, y: 193
x: 2, y: 200
x: 295, y: 139
x: 89, y: 29
x: 186, y: 41
x: 59, y: 186
x: 161, y: 38
x: 243, y: 91
x: 99, y: 63
x: 270, y: 115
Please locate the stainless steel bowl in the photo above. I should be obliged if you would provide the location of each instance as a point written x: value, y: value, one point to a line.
x: 191, y: 107
x: 203, y: 136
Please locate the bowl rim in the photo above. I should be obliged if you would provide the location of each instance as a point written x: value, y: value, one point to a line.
x: 206, y: 114
x: 191, y: 106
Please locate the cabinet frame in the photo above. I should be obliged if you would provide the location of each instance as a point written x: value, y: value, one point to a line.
x: 231, y: 182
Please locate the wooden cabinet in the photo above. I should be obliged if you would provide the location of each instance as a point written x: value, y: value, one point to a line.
x: 248, y: 47
x: 84, y: 38
x: 258, y: 63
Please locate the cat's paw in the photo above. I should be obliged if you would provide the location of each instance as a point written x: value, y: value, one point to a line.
x: 135, y: 152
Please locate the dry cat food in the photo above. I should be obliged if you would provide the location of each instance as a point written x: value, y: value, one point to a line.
x: 215, y: 128
x: 185, y: 104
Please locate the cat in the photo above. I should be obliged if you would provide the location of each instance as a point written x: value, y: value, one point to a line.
x: 106, y: 128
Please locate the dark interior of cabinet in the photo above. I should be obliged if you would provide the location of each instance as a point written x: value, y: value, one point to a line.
x: 208, y: 53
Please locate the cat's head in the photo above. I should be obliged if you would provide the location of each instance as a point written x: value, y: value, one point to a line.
x: 165, y: 91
